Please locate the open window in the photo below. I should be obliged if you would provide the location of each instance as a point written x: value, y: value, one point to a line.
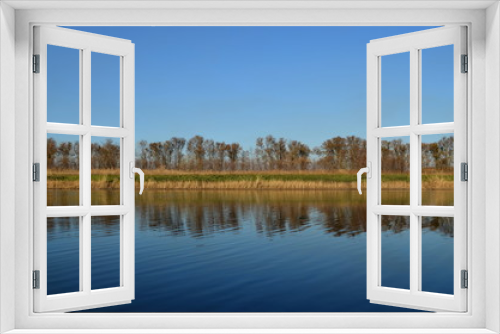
x: 89, y: 61
x: 74, y: 118
x: 418, y: 50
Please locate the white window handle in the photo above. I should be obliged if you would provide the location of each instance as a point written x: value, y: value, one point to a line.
x: 368, y: 171
x: 133, y: 170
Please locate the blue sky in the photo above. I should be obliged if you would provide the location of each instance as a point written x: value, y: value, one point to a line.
x: 235, y: 84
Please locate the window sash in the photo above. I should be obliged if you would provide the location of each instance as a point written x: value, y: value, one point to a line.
x: 413, y: 43
x: 87, y: 43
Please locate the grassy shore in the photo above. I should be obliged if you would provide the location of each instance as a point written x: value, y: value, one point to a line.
x: 168, y: 179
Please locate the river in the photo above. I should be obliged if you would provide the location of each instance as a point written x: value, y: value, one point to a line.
x: 249, y: 251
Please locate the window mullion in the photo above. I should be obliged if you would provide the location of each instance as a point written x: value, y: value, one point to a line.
x: 86, y: 121
x: 85, y: 246
x: 414, y: 171
x: 85, y: 254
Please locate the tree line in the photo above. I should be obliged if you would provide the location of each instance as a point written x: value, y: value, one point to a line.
x: 66, y: 155
x: 269, y: 153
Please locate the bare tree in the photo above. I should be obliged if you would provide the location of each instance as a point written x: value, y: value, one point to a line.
x: 298, y: 155
x: 156, y: 151
x: 356, y: 148
x: 178, y: 146
x: 260, y: 157
x: 196, y: 148
x: 51, y: 153
x: 280, y: 153
x: 233, y: 152
x: 221, y: 149
x: 65, y: 149
x: 144, y: 153
x: 333, y: 153
x: 269, y: 150
x: 168, y: 151
x: 211, y: 153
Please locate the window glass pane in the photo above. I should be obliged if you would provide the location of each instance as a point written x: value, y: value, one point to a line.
x: 105, y: 171
x: 395, y: 240
x: 105, y: 90
x: 63, y: 85
x: 63, y: 255
x: 395, y: 89
x: 437, y: 169
x: 437, y: 254
x: 105, y: 252
x: 63, y: 170
x: 395, y: 159
x: 437, y: 84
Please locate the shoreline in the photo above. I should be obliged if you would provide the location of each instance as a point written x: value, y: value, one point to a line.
x: 254, y: 182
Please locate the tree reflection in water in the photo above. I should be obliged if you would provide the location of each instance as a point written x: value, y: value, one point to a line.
x: 202, y: 213
x: 253, y: 251
x: 198, y: 214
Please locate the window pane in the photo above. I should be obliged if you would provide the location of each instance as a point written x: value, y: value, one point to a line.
x: 437, y: 254
x: 63, y: 255
x: 105, y: 171
x: 395, y: 240
x: 105, y: 90
x: 105, y: 252
x: 63, y: 170
x: 395, y: 89
x: 437, y: 84
x: 63, y: 85
x: 395, y: 159
x: 437, y: 169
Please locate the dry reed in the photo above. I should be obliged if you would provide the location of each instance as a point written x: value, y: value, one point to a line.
x: 109, y: 179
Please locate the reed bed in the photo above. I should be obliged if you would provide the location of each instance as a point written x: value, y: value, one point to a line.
x: 168, y: 179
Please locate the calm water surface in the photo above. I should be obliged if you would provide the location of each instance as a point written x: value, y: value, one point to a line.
x: 250, y: 251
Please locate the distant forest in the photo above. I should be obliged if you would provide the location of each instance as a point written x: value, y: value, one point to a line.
x: 269, y: 154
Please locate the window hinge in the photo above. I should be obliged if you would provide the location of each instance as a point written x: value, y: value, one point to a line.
x: 465, y: 279
x: 465, y: 64
x: 464, y: 172
x: 36, y: 279
x: 36, y: 172
x: 36, y: 63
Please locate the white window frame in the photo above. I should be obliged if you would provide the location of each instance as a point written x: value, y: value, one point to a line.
x: 86, y: 44
x: 484, y: 82
x: 414, y: 44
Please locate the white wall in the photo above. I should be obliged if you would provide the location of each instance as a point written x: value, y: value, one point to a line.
x: 477, y: 128
x: 7, y: 161
x: 492, y: 164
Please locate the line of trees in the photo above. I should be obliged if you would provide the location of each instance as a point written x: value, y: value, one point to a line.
x: 66, y: 155
x: 270, y: 153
